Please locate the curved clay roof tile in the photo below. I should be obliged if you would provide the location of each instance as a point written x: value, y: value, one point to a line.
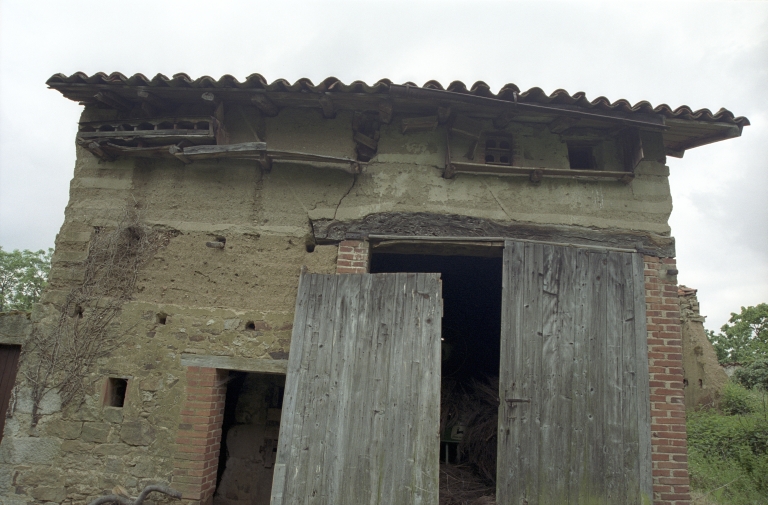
x: 480, y: 88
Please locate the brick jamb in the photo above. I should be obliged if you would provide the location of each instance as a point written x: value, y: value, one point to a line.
x: 198, y: 439
x: 669, y: 450
x: 353, y: 257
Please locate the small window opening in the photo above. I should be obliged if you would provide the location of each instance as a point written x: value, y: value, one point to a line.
x: 116, y: 389
x: 161, y: 318
x: 165, y: 126
x: 498, y: 151
x: 185, y: 125
x: 701, y: 383
x: 685, y: 383
x: 145, y: 127
x: 250, y: 325
x: 581, y: 157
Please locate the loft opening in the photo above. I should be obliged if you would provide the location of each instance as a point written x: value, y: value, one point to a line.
x: 581, y: 156
x: 249, y: 434
x: 471, y: 329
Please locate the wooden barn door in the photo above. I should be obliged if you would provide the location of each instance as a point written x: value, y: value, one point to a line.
x: 574, y: 417
x: 362, y: 396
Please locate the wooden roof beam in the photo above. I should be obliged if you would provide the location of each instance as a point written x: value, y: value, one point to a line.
x: 385, y: 112
x: 562, y: 123
x: 467, y: 127
x: 329, y: 110
x: 419, y: 124
x: 113, y: 100
x: 264, y: 104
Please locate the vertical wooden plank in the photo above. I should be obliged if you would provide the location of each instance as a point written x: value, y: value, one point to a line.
x: 512, y: 415
x: 596, y: 333
x: 311, y: 444
x: 548, y: 403
x: 294, y: 379
x: 399, y: 429
x: 643, y: 386
x: 578, y: 472
x: 629, y: 408
x: 427, y: 458
x: 566, y: 374
x: 613, y: 385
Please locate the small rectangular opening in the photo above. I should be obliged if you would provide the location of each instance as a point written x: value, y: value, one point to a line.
x: 581, y: 156
x: 115, y: 395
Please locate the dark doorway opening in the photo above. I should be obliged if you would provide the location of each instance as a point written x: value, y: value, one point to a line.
x: 471, y: 333
x: 249, y: 434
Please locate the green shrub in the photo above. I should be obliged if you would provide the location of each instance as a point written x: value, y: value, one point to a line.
x: 754, y: 375
x: 728, y: 449
x: 737, y: 400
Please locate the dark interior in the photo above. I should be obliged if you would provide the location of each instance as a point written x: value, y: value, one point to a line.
x: 471, y: 309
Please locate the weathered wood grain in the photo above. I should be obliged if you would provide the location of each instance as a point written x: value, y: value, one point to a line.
x: 572, y: 427
x: 360, y: 415
x: 454, y: 225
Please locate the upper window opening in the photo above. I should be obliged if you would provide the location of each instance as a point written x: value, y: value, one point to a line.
x: 581, y: 157
x: 498, y: 151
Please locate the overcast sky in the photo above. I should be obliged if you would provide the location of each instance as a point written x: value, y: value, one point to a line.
x: 701, y: 54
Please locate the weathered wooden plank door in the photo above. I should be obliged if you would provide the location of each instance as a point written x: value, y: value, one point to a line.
x: 574, y: 420
x: 9, y: 360
x: 361, y: 408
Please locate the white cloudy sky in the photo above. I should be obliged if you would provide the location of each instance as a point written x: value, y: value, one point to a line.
x: 702, y: 54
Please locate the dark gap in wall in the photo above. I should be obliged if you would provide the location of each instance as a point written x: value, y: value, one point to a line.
x: 161, y: 318
x: 116, y: 389
x: 249, y: 435
x: 580, y: 157
x: 471, y: 333
x: 250, y: 325
x: 235, y: 384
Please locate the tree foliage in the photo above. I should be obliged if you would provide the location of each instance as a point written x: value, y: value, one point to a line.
x: 754, y: 375
x: 744, y: 338
x: 23, y: 275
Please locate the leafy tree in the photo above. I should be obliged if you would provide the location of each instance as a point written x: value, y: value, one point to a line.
x: 754, y: 375
x: 23, y: 275
x: 744, y: 338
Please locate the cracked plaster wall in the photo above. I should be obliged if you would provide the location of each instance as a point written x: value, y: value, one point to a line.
x: 209, y: 294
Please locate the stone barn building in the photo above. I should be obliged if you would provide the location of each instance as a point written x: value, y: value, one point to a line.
x: 262, y: 292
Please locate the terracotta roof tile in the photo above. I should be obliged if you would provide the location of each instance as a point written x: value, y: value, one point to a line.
x: 508, y: 92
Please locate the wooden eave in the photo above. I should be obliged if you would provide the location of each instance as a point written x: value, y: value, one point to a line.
x: 679, y: 134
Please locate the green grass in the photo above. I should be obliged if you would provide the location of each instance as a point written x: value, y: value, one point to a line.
x: 728, y: 449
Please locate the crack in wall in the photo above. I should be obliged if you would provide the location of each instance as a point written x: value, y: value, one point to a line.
x: 497, y: 201
x: 354, y: 181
